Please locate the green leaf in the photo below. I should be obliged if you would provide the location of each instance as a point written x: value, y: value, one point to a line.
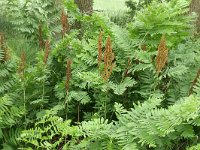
x: 119, y: 89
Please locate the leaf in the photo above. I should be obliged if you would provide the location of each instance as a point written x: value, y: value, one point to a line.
x: 188, y: 131
x: 131, y: 146
x: 121, y: 88
x: 80, y: 96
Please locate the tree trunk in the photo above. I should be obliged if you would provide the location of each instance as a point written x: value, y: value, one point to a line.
x: 85, y: 6
x: 195, y: 7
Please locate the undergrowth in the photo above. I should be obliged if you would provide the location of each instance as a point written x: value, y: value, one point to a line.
x: 102, y: 84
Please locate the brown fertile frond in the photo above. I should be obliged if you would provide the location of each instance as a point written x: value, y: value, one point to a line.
x: 1, y: 41
x: 22, y: 66
x: 6, y: 54
x: 194, y: 82
x: 108, y: 60
x: 162, y: 55
x: 47, y: 51
x: 41, y: 40
x: 65, y: 23
x: 68, y: 74
x: 100, y: 48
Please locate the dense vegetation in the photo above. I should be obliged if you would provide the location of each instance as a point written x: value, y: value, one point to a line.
x: 95, y: 81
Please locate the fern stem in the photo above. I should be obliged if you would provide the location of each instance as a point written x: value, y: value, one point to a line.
x: 43, y: 87
x: 24, y: 96
x: 66, y: 107
x: 105, y: 109
x: 43, y: 91
x: 78, y: 111
x: 105, y: 105
x: 105, y: 101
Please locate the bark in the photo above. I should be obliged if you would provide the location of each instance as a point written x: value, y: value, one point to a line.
x: 85, y: 6
x: 195, y: 7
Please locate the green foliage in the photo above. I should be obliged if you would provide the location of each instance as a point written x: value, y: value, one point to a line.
x: 10, y: 114
x: 65, y: 103
x: 119, y: 89
x: 49, y: 133
x: 162, y: 18
x: 7, y: 79
x: 136, y: 5
x: 196, y: 147
x: 98, y: 135
x: 150, y: 125
x: 27, y: 16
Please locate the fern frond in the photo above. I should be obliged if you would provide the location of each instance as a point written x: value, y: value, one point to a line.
x: 151, y: 126
x: 195, y: 147
x: 9, y: 113
x: 120, y: 88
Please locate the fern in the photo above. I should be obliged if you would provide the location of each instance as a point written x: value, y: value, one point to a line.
x: 11, y: 137
x: 195, y: 147
x: 119, y: 89
x: 153, y: 110
x: 154, y: 127
x: 79, y: 96
x: 9, y: 113
x: 161, y: 18
x: 27, y: 16
x: 9, y: 116
x: 46, y: 136
x: 197, y: 87
x: 98, y: 134
x: 123, y: 41
x: 7, y: 78
x: 1, y: 55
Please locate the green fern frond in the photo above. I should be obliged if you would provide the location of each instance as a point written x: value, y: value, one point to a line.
x: 120, y: 88
x: 123, y: 41
x: 79, y: 96
x: 150, y: 125
x: 100, y: 132
x: 9, y: 113
x: 43, y: 136
x: 11, y: 136
x: 195, y: 147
